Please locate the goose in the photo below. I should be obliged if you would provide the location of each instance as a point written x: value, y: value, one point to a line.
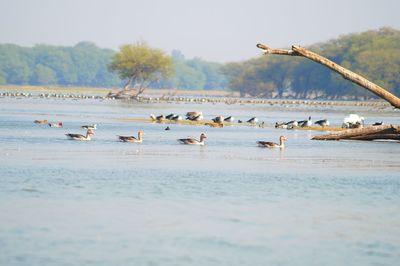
x: 252, y: 120
x: 229, y: 119
x: 193, y: 141
x: 41, y: 121
x: 323, y: 123
x: 59, y: 124
x: 89, y: 133
x: 305, y: 123
x: 132, y: 139
x: 91, y: 127
x: 268, y: 144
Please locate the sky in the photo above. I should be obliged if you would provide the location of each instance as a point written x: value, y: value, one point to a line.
x: 214, y: 30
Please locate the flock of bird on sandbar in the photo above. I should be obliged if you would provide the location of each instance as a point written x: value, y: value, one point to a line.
x: 351, y: 121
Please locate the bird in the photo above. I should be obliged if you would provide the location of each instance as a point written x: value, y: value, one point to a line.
x: 160, y: 118
x: 252, y: 120
x: 268, y: 144
x: 305, y: 123
x: 170, y: 116
x: 353, y: 121
x: 193, y: 141
x: 91, y: 127
x: 88, y: 135
x: 194, y: 116
x: 292, y: 124
x: 167, y: 128
x: 281, y: 125
x: 378, y: 123
x: 214, y: 124
x: 177, y: 118
x: 323, y: 123
x: 41, y: 121
x: 229, y: 119
x: 218, y: 119
x: 132, y: 139
x: 59, y: 124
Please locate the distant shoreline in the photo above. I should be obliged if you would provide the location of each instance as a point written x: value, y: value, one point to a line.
x: 166, y: 95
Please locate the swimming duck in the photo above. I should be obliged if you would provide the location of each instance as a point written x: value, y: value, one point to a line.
x: 252, y: 120
x: 89, y: 133
x: 132, y: 139
x: 305, y: 123
x: 322, y: 123
x: 193, y: 141
x: 167, y: 128
x: 229, y: 119
x: 91, y: 127
x: 268, y: 144
x: 41, y: 121
x: 59, y: 124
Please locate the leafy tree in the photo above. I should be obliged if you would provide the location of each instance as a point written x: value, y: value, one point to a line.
x: 139, y: 64
x: 44, y: 75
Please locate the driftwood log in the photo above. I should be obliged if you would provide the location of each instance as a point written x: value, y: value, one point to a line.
x: 347, y: 74
x: 368, y: 133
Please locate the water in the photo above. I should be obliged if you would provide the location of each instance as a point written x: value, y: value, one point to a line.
x: 161, y: 203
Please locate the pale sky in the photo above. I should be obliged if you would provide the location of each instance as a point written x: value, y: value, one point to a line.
x: 215, y: 30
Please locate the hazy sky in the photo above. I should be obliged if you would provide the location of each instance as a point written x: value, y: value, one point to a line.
x: 217, y: 30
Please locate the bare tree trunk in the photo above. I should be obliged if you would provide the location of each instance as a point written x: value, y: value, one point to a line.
x: 367, y: 133
x: 128, y: 83
x: 347, y: 74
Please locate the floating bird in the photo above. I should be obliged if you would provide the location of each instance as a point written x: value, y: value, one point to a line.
x: 91, y: 127
x: 89, y: 133
x: 252, y: 120
x: 132, y: 139
x: 268, y: 144
x: 167, y: 128
x: 193, y: 141
x: 305, y: 123
x: 323, y: 123
x: 229, y: 119
x: 41, y: 121
x: 59, y: 124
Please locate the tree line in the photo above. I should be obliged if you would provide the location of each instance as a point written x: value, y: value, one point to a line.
x: 85, y: 64
x: 374, y: 54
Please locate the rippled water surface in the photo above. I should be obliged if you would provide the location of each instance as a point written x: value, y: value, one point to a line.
x: 104, y: 202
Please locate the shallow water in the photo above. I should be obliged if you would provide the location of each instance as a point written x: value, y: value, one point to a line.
x: 161, y: 203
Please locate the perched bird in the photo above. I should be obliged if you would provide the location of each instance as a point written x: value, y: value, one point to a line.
x: 160, y: 118
x: 229, y: 119
x: 132, y: 139
x: 378, y: 123
x: 218, y: 119
x: 88, y: 135
x: 353, y: 121
x: 292, y: 124
x: 153, y: 117
x: 170, y: 116
x: 281, y: 125
x: 268, y: 144
x: 193, y: 141
x: 252, y: 120
x: 59, y: 124
x: 305, y: 123
x: 240, y: 121
x: 91, y: 127
x: 323, y: 123
x: 194, y: 116
x: 41, y: 121
x: 177, y: 118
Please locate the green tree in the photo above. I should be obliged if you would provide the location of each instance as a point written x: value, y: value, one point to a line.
x: 140, y: 65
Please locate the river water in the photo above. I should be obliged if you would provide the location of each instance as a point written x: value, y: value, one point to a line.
x: 229, y: 202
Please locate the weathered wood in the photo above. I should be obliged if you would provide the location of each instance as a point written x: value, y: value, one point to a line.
x: 366, y: 133
x: 347, y: 74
